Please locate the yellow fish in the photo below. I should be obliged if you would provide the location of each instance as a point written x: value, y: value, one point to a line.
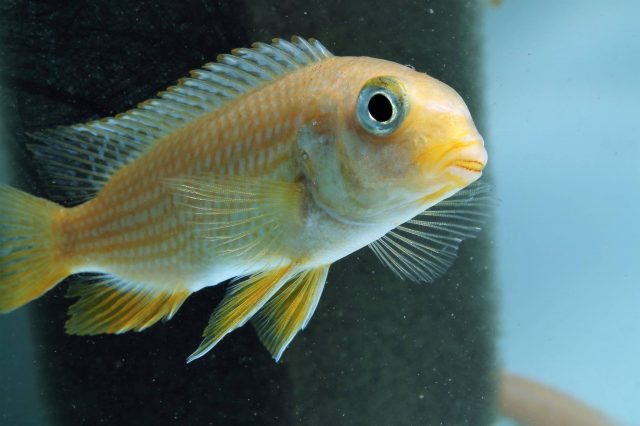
x: 268, y: 165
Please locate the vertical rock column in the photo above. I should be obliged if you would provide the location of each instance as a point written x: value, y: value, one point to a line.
x: 378, y: 351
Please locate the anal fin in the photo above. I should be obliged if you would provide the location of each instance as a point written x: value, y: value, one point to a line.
x: 289, y: 310
x: 240, y: 303
x: 110, y: 306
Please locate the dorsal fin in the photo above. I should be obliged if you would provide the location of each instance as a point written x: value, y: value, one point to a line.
x: 77, y: 160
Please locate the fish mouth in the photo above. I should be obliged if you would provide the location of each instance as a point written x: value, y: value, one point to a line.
x: 469, y: 161
x: 465, y: 171
x: 474, y: 166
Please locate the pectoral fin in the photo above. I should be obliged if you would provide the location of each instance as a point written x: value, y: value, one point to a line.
x: 240, y: 303
x: 242, y: 215
x: 424, y: 248
x: 289, y: 310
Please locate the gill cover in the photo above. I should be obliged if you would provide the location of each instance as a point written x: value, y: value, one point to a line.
x: 347, y: 170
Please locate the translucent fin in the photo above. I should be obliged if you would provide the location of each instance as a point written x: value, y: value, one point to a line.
x: 109, y: 305
x: 77, y: 160
x: 29, y: 262
x: 241, y: 215
x: 424, y: 248
x: 289, y: 310
x: 240, y: 303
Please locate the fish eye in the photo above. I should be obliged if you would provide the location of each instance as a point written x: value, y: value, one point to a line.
x: 382, y: 105
x: 380, y: 108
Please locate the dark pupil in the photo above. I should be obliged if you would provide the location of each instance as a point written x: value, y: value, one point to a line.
x: 380, y: 108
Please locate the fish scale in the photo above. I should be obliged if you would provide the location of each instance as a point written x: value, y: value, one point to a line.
x: 169, y: 159
x: 264, y: 167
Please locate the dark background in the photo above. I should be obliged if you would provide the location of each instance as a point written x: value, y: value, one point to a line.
x: 378, y: 351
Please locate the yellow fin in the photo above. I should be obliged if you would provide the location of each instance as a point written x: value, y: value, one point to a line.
x: 240, y: 303
x: 289, y: 310
x: 107, y: 306
x: 242, y: 215
x: 29, y: 262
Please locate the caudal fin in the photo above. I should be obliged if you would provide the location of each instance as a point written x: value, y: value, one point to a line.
x: 28, y: 264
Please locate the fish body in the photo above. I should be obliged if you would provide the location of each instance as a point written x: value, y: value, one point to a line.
x: 270, y: 164
x: 139, y: 230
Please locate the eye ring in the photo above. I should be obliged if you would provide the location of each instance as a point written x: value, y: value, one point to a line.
x: 382, y: 105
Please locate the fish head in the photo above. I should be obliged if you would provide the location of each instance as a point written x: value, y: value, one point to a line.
x: 403, y: 141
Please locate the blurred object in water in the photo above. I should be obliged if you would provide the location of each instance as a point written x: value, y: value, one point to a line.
x: 536, y: 404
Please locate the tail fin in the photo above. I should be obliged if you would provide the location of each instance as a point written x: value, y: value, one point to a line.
x: 28, y: 264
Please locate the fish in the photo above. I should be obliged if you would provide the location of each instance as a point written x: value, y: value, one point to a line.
x: 259, y: 170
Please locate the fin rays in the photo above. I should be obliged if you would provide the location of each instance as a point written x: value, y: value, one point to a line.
x: 289, y: 310
x: 28, y: 263
x: 424, y: 248
x: 240, y: 303
x: 109, y: 305
x: 76, y: 161
x: 243, y: 216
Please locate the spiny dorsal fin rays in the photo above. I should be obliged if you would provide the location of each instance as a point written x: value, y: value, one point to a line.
x: 289, y: 310
x: 424, y: 248
x: 240, y: 303
x: 110, y: 305
x: 240, y: 215
x: 76, y: 161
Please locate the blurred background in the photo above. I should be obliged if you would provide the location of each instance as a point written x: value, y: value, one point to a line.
x: 550, y: 290
x: 563, y: 123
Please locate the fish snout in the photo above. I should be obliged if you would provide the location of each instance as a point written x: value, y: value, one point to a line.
x: 469, y: 159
